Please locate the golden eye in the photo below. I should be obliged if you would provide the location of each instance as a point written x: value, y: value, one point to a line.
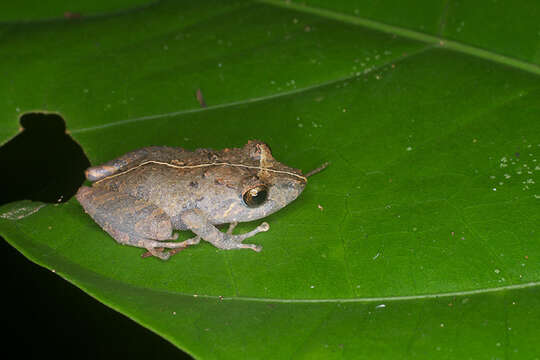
x: 255, y: 196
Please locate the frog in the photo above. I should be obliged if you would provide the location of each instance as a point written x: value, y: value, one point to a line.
x: 142, y: 197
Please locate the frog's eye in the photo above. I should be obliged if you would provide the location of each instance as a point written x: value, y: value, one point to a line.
x: 255, y: 196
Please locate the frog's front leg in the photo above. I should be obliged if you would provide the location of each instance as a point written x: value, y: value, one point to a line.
x: 196, y: 221
x: 231, y: 227
x: 130, y: 221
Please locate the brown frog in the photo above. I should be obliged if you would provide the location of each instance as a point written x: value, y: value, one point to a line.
x: 141, y: 197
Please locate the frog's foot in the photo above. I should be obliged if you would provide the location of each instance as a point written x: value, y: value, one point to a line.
x: 196, y: 221
x: 148, y: 253
x: 239, y: 238
x: 193, y: 241
x: 156, y: 248
x: 157, y: 252
x: 181, y: 246
x: 230, y: 241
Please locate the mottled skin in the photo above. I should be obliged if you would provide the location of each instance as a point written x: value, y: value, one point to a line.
x: 141, y: 197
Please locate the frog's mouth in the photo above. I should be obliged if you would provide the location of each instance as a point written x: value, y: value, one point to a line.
x: 284, y: 193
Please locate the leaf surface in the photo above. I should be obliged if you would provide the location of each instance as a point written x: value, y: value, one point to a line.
x: 421, y: 238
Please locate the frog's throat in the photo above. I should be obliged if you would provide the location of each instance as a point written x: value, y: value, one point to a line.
x: 260, y: 168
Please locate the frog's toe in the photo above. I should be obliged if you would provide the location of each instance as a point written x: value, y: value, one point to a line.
x: 253, y: 247
x: 261, y: 228
x: 264, y: 227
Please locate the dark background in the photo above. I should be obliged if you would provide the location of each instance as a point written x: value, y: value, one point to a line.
x: 47, y: 316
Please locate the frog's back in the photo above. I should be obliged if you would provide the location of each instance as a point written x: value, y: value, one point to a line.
x: 133, y: 159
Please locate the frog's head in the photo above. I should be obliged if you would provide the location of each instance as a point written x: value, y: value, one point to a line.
x: 266, y: 195
x: 272, y: 186
x: 252, y: 185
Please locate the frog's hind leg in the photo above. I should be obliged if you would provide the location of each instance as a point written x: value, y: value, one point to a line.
x: 130, y: 221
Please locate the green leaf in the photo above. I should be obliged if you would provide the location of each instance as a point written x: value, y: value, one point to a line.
x: 421, y: 239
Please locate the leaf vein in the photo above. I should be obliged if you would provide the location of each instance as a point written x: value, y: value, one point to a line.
x: 410, y: 34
